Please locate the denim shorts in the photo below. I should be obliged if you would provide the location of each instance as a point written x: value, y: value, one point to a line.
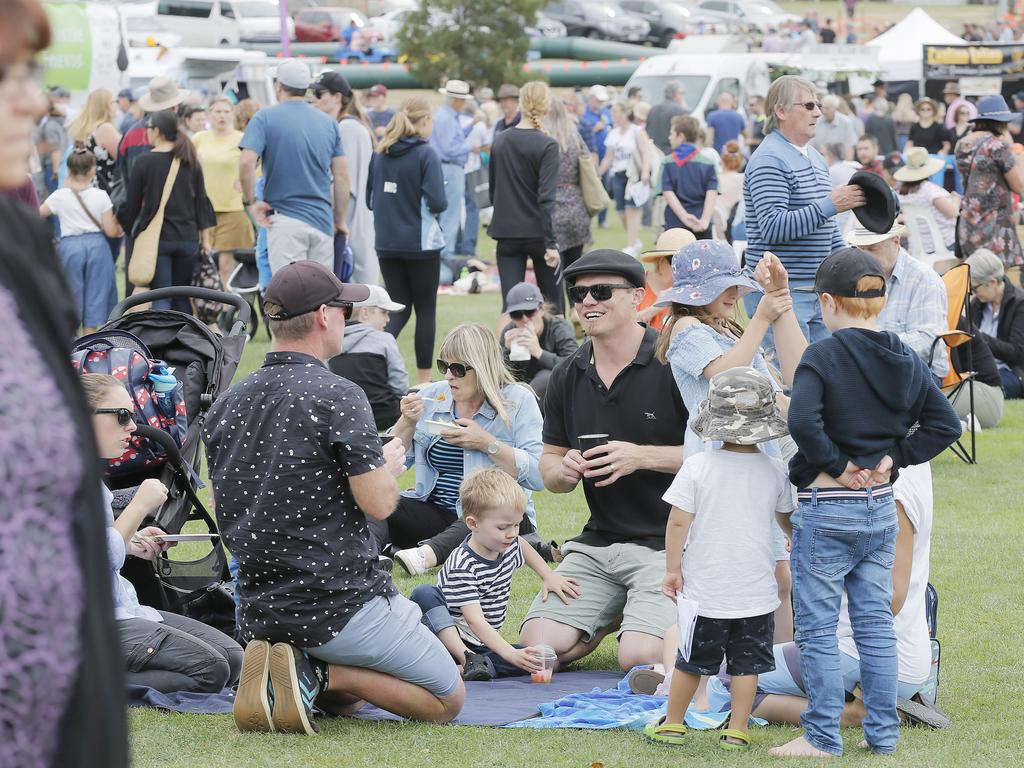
x: 619, y: 184
x: 386, y: 635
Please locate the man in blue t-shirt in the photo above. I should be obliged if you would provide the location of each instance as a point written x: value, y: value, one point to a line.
x: 725, y: 123
x: 302, y: 156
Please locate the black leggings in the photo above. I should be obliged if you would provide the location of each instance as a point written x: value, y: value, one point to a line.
x: 413, y: 282
x: 569, y: 256
x: 512, y: 255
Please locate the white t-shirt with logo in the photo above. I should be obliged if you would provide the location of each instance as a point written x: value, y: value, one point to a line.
x: 913, y: 490
x: 73, y: 220
x: 729, y: 565
x: 623, y: 146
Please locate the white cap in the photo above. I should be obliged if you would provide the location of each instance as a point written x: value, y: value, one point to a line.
x: 599, y: 92
x: 379, y: 298
x: 294, y: 74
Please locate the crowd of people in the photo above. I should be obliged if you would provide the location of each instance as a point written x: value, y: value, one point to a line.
x: 771, y: 475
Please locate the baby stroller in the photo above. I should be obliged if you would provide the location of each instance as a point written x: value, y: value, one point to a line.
x: 204, y: 363
x: 245, y: 282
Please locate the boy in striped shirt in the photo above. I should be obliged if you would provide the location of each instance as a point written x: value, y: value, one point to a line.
x: 467, y: 608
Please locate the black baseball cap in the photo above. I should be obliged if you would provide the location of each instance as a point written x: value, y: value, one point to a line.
x: 838, y: 274
x: 607, y: 261
x: 304, y: 286
x: 332, y: 81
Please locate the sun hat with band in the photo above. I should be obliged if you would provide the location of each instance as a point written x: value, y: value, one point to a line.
x: 163, y: 93
x: 919, y: 166
x: 994, y: 108
x: 455, y: 89
x: 860, y: 236
x: 740, y: 408
x: 668, y: 245
x: 304, y: 286
x: 701, y: 271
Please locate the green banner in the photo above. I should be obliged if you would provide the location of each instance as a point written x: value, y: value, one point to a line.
x: 68, y: 60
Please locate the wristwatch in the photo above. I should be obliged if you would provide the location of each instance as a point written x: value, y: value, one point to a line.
x: 493, y: 448
x: 248, y: 203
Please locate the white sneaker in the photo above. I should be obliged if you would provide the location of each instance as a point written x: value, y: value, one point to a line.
x: 630, y: 250
x: 638, y: 247
x: 414, y: 561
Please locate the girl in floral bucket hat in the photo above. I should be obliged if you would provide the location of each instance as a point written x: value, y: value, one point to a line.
x: 702, y: 337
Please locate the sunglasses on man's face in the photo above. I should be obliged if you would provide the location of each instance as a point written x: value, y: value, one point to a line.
x: 810, y: 106
x: 125, y: 417
x: 600, y: 292
x: 519, y: 314
x: 458, y: 370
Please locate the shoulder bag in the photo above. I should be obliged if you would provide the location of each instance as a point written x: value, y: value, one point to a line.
x: 595, y: 196
x: 142, y: 266
x: 85, y: 208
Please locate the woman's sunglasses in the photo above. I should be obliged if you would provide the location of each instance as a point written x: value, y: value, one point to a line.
x: 458, y: 369
x: 600, y: 292
x: 519, y: 314
x: 124, y: 416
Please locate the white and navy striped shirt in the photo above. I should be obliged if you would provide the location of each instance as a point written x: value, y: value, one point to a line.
x: 787, y: 207
x: 449, y: 462
x: 468, y: 578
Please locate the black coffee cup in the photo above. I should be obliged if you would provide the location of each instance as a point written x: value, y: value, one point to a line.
x: 591, y: 441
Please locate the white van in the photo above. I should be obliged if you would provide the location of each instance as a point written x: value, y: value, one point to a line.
x: 211, y: 23
x: 704, y: 77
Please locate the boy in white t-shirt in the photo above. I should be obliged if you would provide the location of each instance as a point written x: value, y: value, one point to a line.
x: 725, y: 501
x: 86, y: 220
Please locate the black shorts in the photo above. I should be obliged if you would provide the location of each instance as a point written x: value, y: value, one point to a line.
x: 746, y: 645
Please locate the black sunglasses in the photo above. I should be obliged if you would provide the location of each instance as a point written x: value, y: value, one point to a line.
x: 600, y: 292
x: 519, y: 314
x: 810, y: 106
x: 458, y: 370
x: 124, y: 416
x: 318, y: 92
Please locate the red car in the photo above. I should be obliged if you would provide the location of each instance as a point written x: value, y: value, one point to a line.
x: 325, y: 24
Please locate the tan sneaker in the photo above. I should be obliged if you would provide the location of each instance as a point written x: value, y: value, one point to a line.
x: 252, y: 708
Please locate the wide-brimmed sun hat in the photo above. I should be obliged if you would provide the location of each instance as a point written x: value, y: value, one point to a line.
x: 701, y: 271
x: 668, y: 245
x: 163, y: 93
x: 919, y: 166
x: 994, y: 108
x: 860, y: 236
x: 455, y: 89
x: 881, y: 206
x: 740, y: 408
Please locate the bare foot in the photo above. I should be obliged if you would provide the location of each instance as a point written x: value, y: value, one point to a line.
x: 798, y: 747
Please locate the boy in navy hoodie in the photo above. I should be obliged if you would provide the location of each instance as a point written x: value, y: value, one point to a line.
x: 864, y: 405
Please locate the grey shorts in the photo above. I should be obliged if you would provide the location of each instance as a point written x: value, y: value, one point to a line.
x: 387, y: 635
x: 617, y: 580
x: 290, y: 239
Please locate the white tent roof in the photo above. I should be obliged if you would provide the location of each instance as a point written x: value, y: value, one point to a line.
x: 900, y: 53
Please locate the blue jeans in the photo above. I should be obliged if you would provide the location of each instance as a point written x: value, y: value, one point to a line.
x: 451, y: 217
x: 846, y: 538
x: 436, y: 618
x: 1012, y: 385
x: 175, y: 264
x: 90, y: 272
x: 466, y: 244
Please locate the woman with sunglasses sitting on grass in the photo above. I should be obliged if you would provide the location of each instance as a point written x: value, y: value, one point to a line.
x: 534, y: 341
x: 162, y: 650
x: 478, y: 417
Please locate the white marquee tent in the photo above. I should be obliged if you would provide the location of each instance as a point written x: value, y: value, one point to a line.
x: 900, y: 51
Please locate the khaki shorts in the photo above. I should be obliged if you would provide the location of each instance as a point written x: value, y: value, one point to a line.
x: 617, y: 580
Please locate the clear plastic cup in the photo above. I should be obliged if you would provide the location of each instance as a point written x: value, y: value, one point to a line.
x: 548, y: 658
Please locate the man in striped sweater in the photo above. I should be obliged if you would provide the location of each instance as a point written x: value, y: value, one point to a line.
x: 788, y: 196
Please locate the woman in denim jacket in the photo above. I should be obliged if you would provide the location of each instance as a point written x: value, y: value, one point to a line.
x: 496, y: 422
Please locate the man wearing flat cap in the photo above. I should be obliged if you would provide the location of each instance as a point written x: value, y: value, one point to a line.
x: 614, y: 395
x: 296, y: 467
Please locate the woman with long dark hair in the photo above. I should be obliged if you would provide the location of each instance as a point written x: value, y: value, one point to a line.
x: 187, y: 215
x: 61, y: 675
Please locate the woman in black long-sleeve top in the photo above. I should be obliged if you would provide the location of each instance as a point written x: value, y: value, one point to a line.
x: 523, y: 185
x: 997, y: 314
x: 188, y: 215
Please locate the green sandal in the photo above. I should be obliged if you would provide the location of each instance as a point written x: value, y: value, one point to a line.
x: 731, y: 733
x: 665, y: 733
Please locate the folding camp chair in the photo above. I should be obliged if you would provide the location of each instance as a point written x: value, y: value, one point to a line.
x: 1014, y: 273
x: 958, y: 288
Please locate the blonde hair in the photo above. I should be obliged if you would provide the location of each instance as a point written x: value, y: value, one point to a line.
x: 474, y: 344
x: 221, y: 100
x: 491, y: 112
x: 413, y: 111
x: 97, y: 386
x: 96, y: 112
x: 491, y: 489
x: 559, y: 126
x: 782, y: 94
x: 863, y: 308
x: 244, y: 111
x: 904, y: 111
x: 534, y: 102
x: 699, y: 313
x: 291, y: 329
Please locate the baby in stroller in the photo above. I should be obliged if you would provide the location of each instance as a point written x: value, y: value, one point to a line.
x: 162, y: 650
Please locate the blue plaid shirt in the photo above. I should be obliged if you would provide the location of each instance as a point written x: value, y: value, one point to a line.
x: 916, y: 309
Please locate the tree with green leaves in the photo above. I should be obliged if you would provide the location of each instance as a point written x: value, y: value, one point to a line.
x: 481, y: 41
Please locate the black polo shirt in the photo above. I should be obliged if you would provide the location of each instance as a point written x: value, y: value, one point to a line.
x: 282, y: 444
x: 643, y: 406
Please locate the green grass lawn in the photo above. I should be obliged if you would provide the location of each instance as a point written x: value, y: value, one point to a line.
x: 976, y: 556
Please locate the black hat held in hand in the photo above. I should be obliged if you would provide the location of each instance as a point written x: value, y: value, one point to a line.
x: 882, y: 206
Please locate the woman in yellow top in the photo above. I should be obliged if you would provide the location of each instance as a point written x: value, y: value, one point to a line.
x: 218, y: 154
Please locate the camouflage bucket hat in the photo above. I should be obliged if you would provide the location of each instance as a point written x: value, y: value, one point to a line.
x: 740, y: 408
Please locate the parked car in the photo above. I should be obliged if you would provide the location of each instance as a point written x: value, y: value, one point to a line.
x: 760, y: 14
x: 668, y: 20
x: 384, y: 28
x: 603, y: 20
x: 546, y: 26
x: 258, y: 20
x: 380, y: 7
x: 325, y: 24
